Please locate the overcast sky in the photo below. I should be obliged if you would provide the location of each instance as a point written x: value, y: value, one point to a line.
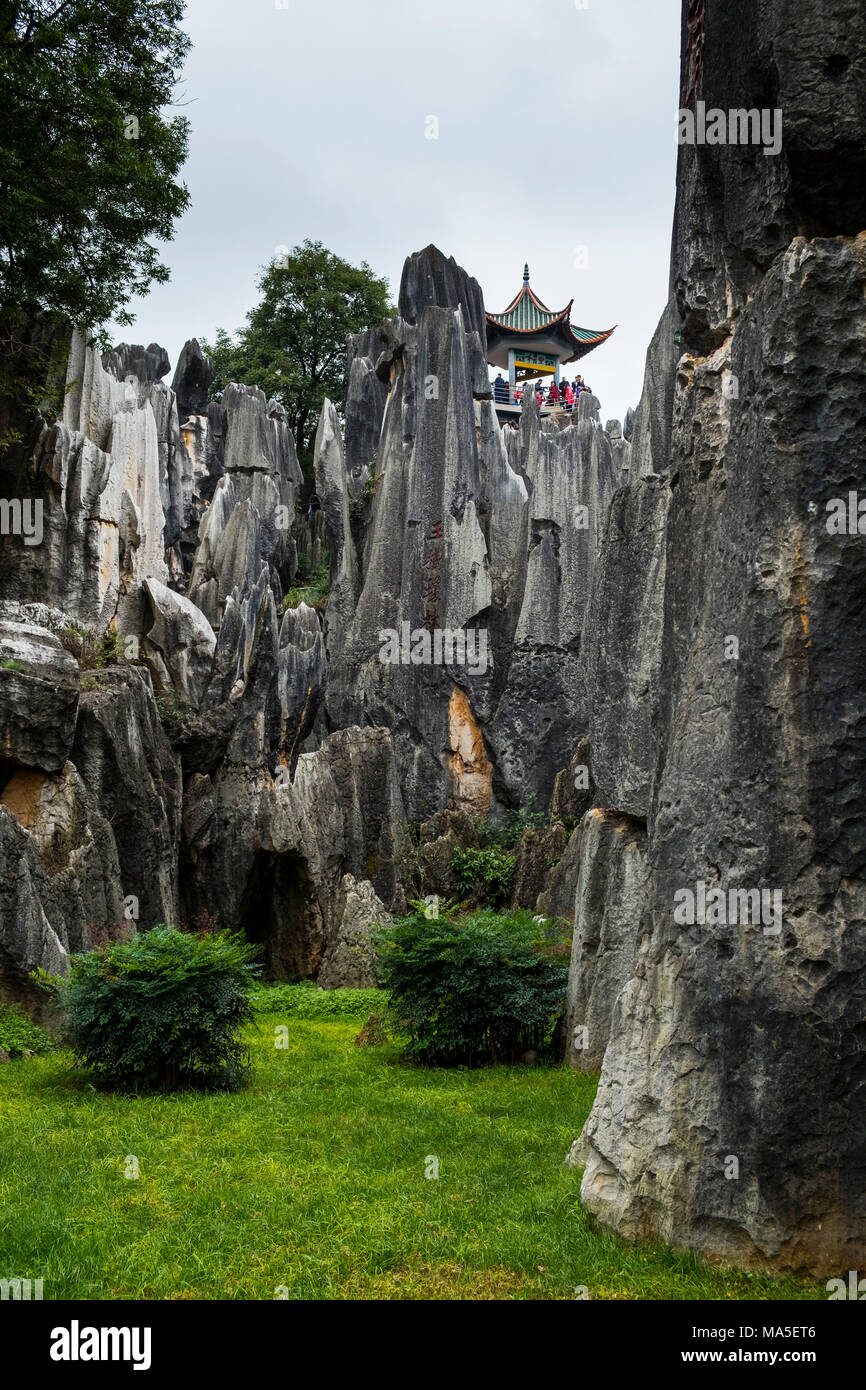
x: 556, y: 131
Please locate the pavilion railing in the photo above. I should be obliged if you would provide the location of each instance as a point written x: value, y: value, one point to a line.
x: 505, y: 394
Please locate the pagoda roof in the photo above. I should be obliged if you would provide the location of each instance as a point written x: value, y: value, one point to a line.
x: 527, y: 317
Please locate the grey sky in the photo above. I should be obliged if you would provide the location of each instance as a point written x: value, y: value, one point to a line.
x: 556, y: 131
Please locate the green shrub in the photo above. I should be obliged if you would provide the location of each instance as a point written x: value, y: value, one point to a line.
x: 475, y: 989
x: 92, y: 650
x: 18, y: 1034
x: 306, y: 1001
x: 507, y: 831
x: 486, y: 874
x: 163, y: 1009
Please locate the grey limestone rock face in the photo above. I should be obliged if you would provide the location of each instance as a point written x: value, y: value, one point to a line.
x: 431, y: 280
x: 737, y: 1032
x: 537, y: 850
x: 571, y: 477
x: 79, y: 842
x: 133, y: 779
x: 422, y: 561
x: 269, y: 855
x: 38, y: 696
x: 192, y: 379
x: 623, y: 652
x: 365, y: 407
x: 180, y: 644
x: 95, y: 474
x: 60, y: 875
x: 139, y: 479
x: 350, y: 958
x: 610, y: 902
x: 146, y: 365
x: 557, y: 897
x: 737, y: 208
x: 438, y: 838
x: 472, y: 529
x: 247, y: 523
x: 652, y: 423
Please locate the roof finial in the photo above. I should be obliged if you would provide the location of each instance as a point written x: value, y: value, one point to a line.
x: 526, y: 273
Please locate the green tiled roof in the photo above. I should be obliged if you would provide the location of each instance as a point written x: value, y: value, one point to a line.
x: 527, y: 314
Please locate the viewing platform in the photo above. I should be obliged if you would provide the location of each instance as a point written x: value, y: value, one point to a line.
x: 508, y: 403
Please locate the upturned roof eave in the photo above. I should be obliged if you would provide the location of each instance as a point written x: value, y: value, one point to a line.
x: 592, y: 340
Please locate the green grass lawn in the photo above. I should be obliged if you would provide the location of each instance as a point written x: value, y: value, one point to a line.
x: 313, y: 1179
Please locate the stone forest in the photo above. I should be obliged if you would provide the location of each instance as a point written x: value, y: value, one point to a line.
x: 668, y: 696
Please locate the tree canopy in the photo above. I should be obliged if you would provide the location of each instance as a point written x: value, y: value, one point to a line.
x: 88, y: 160
x: 294, y: 343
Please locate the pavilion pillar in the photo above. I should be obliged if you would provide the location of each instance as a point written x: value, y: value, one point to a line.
x: 512, y: 373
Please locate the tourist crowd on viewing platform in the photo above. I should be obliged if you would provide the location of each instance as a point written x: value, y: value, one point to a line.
x: 564, y: 394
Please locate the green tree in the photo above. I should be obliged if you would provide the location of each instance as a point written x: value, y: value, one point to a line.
x: 87, y: 158
x: 294, y: 343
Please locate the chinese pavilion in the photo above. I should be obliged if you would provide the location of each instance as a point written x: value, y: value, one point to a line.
x: 530, y: 340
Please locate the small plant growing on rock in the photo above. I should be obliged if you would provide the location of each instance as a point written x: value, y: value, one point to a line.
x: 484, y: 874
x: 163, y: 1009
x: 314, y: 592
x: 92, y: 650
x: 170, y: 709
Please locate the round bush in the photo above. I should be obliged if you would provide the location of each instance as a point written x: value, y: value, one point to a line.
x: 474, y: 989
x: 162, y: 1009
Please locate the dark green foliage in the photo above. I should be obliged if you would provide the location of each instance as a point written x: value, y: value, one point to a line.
x: 471, y: 990
x: 163, y: 1009
x: 294, y: 343
x: 483, y: 874
x: 507, y: 832
x: 79, y: 199
x: 18, y: 1034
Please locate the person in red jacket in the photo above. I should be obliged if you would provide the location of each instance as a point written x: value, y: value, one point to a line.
x: 554, y: 393
x: 569, y: 396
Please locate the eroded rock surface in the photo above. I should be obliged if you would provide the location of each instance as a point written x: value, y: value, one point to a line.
x: 730, y: 1116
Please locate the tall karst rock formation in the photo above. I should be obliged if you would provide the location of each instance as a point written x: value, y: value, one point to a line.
x: 727, y: 662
